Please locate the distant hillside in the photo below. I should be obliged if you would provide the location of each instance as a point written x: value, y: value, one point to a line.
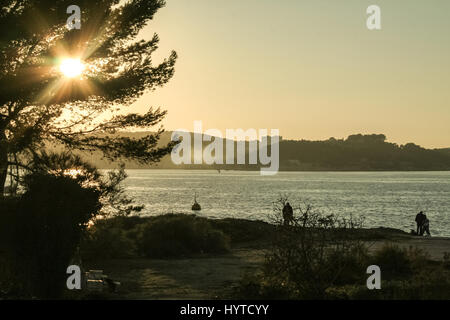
x: 360, y: 152
x: 356, y: 153
x: 445, y: 150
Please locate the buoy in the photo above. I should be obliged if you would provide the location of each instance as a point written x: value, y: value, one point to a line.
x: 196, y: 206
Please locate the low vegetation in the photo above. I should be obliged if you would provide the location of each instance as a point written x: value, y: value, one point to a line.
x: 406, y: 281
x: 40, y: 234
x: 42, y: 226
x: 166, y: 236
x: 322, y: 257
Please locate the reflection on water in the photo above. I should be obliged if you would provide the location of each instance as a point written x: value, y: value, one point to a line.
x: 390, y: 199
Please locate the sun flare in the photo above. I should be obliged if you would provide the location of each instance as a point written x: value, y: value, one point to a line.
x: 71, y: 68
x: 73, y: 173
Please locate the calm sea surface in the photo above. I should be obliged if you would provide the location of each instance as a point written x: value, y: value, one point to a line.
x: 389, y: 199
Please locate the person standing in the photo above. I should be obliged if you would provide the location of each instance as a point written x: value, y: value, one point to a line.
x: 419, y: 221
x: 288, y: 214
x: 426, y: 226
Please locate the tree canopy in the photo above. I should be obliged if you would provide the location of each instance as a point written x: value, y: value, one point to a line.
x: 39, y: 105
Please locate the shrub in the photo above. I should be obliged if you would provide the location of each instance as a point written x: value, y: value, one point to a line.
x: 446, y: 259
x: 9, y: 286
x: 255, y: 286
x: 42, y: 227
x: 348, y: 266
x: 433, y: 286
x: 393, y: 261
x: 105, y: 240
x: 315, y: 252
x: 176, y: 235
x: 45, y: 231
x: 240, y: 230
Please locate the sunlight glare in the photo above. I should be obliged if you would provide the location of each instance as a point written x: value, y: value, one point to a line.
x: 71, y: 67
x: 73, y: 173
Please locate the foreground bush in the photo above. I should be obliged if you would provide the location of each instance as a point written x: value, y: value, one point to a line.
x: 432, y: 284
x: 107, y: 239
x: 314, y: 252
x: 406, y: 275
x: 42, y: 230
x: 42, y: 226
x: 165, y: 236
x: 394, y: 262
x: 176, y: 235
x: 319, y: 256
x: 257, y: 286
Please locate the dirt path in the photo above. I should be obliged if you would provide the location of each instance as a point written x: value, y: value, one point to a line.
x: 193, y: 278
x: 205, y: 277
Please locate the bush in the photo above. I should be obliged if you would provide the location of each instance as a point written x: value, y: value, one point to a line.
x: 348, y: 266
x: 45, y: 230
x: 257, y: 287
x: 406, y: 274
x: 176, y: 235
x: 106, y: 239
x: 393, y: 261
x: 323, y: 257
x: 244, y: 231
x: 429, y: 282
x: 314, y: 252
x: 9, y: 286
x: 430, y: 286
x: 42, y: 228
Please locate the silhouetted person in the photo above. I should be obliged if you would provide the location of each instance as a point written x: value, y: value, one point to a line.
x: 420, y: 217
x: 426, y: 226
x: 288, y: 214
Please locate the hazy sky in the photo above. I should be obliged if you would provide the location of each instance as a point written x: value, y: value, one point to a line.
x: 309, y: 68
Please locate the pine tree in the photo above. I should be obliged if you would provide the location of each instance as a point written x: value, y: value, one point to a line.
x: 40, y: 105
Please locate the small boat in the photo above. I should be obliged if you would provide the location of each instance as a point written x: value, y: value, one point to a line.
x: 196, y: 206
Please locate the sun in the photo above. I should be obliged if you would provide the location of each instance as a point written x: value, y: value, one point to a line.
x: 71, y: 68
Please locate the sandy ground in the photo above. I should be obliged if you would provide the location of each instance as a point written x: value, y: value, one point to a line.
x: 193, y: 278
x: 206, y: 277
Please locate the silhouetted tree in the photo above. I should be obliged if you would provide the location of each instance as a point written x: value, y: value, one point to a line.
x: 41, y: 228
x: 50, y: 219
x: 38, y: 105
